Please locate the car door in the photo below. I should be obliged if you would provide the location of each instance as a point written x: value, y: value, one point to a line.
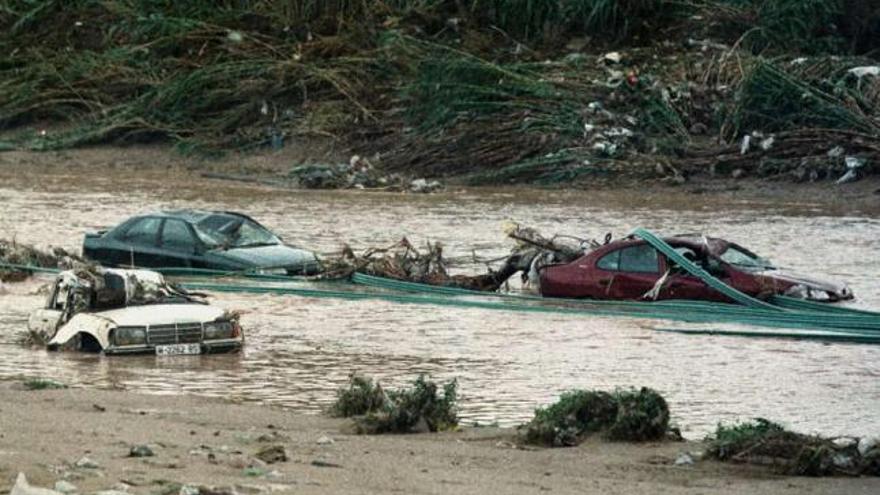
x: 138, y: 244
x: 178, y: 244
x: 626, y: 273
x: 683, y: 285
x: 45, y: 321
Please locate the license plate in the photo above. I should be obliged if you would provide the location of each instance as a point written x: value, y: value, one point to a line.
x: 178, y: 349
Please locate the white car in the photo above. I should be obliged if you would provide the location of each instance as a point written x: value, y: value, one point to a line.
x: 118, y: 311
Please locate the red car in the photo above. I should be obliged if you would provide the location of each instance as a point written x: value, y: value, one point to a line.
x: 630, y: 269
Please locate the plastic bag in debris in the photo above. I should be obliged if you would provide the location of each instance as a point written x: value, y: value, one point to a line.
x: 853, y: 164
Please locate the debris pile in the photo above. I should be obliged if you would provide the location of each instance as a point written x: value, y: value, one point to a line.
x: 540, y: 97
x: 359, y: 173
x: 766, y: 443
x: 403, y: 261
x: 624, y: 415
x: 419, y: 409
x: 15, y: 253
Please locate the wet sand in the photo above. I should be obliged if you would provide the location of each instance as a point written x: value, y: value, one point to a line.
x: 212, y: 442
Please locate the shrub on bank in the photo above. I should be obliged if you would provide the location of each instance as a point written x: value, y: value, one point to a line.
x: 767, y: 443
x: 624, y: 415
x: 418, y: 409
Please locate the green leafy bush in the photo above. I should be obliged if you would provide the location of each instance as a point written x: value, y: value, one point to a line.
x: 412, y: 410
x: 625, y: 415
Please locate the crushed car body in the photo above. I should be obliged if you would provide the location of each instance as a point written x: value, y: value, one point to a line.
x: 631, y: 269
x: 216, y: 240
x: 118, y: 311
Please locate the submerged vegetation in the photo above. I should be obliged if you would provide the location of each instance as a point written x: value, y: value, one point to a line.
x: 418, y: 409
x: 496, y: 91
x: 624, y: 415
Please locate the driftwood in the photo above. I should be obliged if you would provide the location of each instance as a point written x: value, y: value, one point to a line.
x: 403, y: 261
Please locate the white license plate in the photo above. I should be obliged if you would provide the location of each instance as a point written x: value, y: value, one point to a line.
x: 178, y: 349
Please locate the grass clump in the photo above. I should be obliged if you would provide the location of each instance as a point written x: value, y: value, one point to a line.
x: 624, y: 415
x: 43, y: 384
x: 419, y: 409
x: 767, y: 443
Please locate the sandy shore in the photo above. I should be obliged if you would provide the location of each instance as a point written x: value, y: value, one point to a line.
x: 200, y: 441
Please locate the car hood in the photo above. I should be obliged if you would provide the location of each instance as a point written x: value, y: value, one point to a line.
x: 278, y: 255
x: 161, y: 314
x: 840, y: 289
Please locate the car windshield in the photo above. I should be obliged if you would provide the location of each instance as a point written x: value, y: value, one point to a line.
x: 228, y: 231
x: 742, y: 258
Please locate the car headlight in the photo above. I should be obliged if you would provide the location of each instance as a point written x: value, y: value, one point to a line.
x: 130, y: 336
x: 219, y: 330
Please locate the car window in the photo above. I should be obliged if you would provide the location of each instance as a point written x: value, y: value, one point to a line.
x: 610, y: 261
x: 231, y: 231
x: 144, y: 231
x: 176, y: 236
x: 744, y: 259
x: 641, y: 258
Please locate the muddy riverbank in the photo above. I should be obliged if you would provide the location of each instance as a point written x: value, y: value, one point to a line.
x: 270, y: 170
x: 211, y: 442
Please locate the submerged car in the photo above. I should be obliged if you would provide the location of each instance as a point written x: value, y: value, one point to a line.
x: 631, y: 269
x: 130, y: 311
x: 215, y: 240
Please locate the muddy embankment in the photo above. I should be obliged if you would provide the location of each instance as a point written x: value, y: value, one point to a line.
x: 582, y: 92
x: 86, y: 438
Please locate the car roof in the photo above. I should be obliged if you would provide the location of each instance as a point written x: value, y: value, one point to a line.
x: 697, y: 242
x: 193, y: 215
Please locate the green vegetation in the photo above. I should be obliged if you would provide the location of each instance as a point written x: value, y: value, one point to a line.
x: 42, y: 384
x: 624, y: 415
x: 763, y: 442
x: 360, y: 398
x: 413, y: 410
x: 497, y: 91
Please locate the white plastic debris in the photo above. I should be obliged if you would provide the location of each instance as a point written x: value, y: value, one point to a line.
x: 799, y: 60
x: 746, y: 143
x: 65, y: 487
x: 766, y: 144
x: 835, y: 152
x: 613, y: 57
x: 850, y: 176
x: 235, y: 37
x: 684, y: 459
x: 325, y: 440
x: 22, y: 487
x: 868, y: 70
x: 853, y: 162
x: 618, y: 132
x: 867, y: 444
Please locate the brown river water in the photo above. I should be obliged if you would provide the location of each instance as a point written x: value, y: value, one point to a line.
x: 299, y: 350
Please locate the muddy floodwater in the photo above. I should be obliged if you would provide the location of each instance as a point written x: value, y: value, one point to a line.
x: 299, y: 351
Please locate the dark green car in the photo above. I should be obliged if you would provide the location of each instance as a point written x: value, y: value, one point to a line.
x: 215, y: 240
